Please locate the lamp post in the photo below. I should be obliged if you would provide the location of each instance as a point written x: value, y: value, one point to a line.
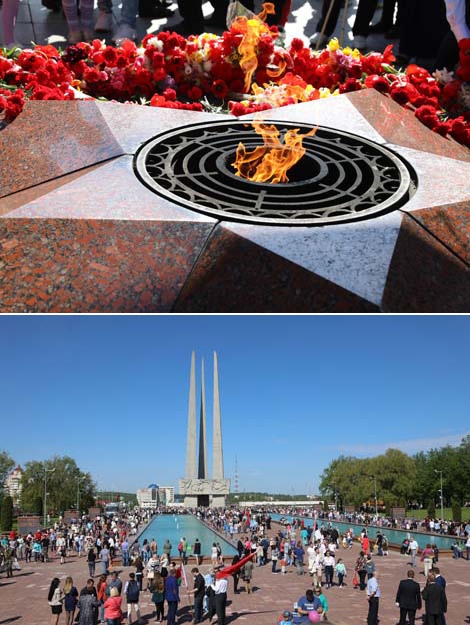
x: 46, y: 471
x: 79, y: 479
x: 373, y: 477
x: 442, y: 496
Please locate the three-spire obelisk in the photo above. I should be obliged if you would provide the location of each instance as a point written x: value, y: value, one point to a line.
x: 198, y: 489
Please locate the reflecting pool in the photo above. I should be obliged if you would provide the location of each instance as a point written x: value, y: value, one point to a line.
x: 175, y: 526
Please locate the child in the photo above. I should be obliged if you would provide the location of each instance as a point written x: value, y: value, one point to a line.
x: 286, y: 618
x: 323, y: 601
x: 340, y: 572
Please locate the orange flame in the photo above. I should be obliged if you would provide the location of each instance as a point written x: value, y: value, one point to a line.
x: 270, y: 162
x: 251, y: 29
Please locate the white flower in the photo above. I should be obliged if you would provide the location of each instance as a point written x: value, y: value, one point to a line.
x: 156, y: 43
x: 443, y: 76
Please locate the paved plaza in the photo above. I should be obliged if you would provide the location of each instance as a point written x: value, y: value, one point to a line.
x: 23, y: 599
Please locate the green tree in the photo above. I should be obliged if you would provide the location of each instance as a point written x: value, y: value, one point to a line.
x: 63, y: 481
x: 6, y: 465
x: 6, y: 513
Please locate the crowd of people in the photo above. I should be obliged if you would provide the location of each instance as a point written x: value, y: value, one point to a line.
x: 421, y: 29
x: 313, y: 552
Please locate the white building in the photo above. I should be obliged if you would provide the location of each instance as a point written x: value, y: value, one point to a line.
x: 154, y: 496
x: 13, y: 484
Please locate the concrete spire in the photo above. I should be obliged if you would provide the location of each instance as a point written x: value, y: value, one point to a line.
x: 202, y: 466
x: 217, y: 455
x: 191, y: 471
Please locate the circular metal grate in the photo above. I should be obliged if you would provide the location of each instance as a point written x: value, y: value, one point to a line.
x: 342, y: 177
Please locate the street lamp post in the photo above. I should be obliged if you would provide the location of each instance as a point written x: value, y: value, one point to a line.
x: 46, y: 471
x: 373, y: 477
x: 79, y: 479
x: 442, y: 496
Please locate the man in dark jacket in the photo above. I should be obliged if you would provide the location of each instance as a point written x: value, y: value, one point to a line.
x: 434, y: 596
x: 408, y: 598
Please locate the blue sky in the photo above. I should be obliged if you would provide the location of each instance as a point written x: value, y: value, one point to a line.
x: 296, y: 391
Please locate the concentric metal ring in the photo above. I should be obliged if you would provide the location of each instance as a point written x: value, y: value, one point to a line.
x: 342, y: 177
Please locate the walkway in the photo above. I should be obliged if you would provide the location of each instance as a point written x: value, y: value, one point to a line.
x: 23, y: 599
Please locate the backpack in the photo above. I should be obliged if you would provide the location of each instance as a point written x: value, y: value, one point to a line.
x: 132, y: 593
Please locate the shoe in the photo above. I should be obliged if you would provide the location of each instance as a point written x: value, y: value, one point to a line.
x: 104, y: 23
x: 124, y: 32
x: 317, y: 41
x: 74, y: 37
x: 360, y: 42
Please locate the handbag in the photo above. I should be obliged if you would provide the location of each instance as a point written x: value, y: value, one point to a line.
x: 355, y: 581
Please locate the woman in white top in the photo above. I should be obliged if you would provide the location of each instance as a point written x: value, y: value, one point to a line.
x: 55, y: 599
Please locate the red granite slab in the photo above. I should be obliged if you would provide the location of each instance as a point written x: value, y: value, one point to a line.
x: 424, y: 275
x: 451, y: 225
x: 50, y: 139
x: 235, y: 275
x: 400, y: 126
x: 20, y: 198
x: 67, y: 265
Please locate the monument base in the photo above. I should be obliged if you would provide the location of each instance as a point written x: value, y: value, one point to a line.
x: 203, y: 492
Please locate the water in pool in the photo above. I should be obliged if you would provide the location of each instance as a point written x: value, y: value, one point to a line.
x: 175, y: 526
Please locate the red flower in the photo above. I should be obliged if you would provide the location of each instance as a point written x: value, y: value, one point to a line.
x: 195, y: 93
x: 219, y: 89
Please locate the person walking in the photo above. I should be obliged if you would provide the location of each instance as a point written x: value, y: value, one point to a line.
x: 408, y: 598
x: 132, y: 591
x: 91, y: 561
x: 427, y: 556
x: 435, y: 601
x: 248, y: 575
x: 373, y: 596
x: 172, y: 596
x: 112, y: 607
x: 360, y: 569
x: 88, y: 605
x: 198, y: 591
x: 55, y: 599
x: 220, y: 586
x: 70, y: 600
x: 158, y: 597
x: 413, y: 548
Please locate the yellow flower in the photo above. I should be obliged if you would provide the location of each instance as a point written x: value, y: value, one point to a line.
x: 333, y: 45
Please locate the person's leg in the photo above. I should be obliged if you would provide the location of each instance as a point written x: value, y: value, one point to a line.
x: 365, y: 12
x: 9, y: 13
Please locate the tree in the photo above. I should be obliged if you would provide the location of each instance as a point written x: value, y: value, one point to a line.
x: 64, y: 481
x: 6, y: 465
x: 6, y: 513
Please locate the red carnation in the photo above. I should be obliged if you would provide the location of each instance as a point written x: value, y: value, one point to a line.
x: 219, y: 89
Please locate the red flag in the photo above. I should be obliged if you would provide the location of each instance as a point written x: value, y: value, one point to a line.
x: 229, y: 570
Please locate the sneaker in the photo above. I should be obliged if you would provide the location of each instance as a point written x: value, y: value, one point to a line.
x: 317, y: 40
x: 104, y: 23
x: 124, y: 32
x: 74, y: 36
x: 360, y: 42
